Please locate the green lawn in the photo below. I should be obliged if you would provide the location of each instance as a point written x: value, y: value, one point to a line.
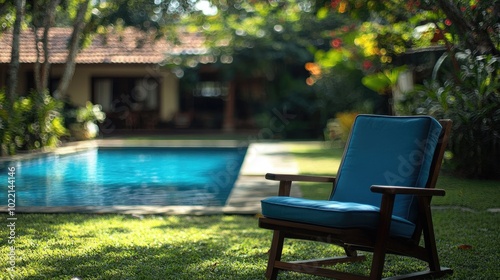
x: 62, y: 246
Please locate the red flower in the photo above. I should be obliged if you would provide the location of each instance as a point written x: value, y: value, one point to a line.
x: 336, y: 43
x: 367, y: 64
x: 447, y: 22
x: 335, y: 3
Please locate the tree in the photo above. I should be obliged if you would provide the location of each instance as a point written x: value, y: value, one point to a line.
x: 43, y: 14
x: 383, y: 31
x: 467, y: 92
x: 34, y: 120
x: 476, y: 23
x: 73, y: 46
x: 87, y: 18
x: 272, y: 40
x: 14, y: 60
x: 466, y: 24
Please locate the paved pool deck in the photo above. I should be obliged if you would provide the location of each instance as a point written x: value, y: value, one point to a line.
x: 250, y: 187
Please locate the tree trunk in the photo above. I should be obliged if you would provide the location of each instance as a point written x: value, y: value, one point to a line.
x: 73, y: 47
x: 42, y: 45
x: 14, y: 58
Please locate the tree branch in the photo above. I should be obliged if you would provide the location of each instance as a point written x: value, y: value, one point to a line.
x: 73, y: 48
x: 475, y: 37
x: 14, y: 58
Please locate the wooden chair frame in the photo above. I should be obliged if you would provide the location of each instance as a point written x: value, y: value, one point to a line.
x: 354, y: 240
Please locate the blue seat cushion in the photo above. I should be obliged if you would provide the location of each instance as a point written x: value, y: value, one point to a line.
x: 387, y: 150
x: 333, y: 214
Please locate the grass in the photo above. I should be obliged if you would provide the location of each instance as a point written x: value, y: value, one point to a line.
x: 62, y: 246
x: 126, y: 247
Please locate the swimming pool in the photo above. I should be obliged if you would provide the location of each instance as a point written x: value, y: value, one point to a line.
x: 127, y: 176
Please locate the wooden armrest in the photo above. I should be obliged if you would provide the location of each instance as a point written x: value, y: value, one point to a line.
x: 287, y: 179
x: 299, y: 178
x: 407, y: 190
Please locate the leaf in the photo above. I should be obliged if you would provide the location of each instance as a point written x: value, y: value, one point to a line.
x: 322, y: 13
x: 383, y: 81
x: 438, y: 64
x: 377, y: 82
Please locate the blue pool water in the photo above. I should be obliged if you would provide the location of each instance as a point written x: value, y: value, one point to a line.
x: 126, y: 176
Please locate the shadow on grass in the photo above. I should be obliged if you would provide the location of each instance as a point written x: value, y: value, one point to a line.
x: 180, y: 261
x: 123, y: 247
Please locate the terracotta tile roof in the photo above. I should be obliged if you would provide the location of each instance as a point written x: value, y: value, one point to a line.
x: 128, y: 46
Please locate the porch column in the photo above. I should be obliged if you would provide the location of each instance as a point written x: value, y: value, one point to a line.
x: 229, y: 107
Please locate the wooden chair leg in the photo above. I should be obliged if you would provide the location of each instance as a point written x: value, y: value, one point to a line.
x: 275, y: 255
x: 379, y: 251
x: 378, y: 262
x: 429, y: 238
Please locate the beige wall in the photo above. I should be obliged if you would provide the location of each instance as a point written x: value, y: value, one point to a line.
x: 169, y: 97
x: 80, y: 90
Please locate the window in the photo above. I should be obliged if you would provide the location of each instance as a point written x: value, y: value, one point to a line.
x: 138, y: 94
x: 211, y: 89
x: 146, y: 91
x: 103, y: 92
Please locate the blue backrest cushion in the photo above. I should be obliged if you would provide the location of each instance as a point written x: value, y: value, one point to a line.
x: 387, y: 150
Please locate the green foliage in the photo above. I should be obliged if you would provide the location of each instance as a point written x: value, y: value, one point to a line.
x: 340, y: 90
x: 82, y: 121
x: 7, y: 9
x: 267, y: 40
x: 291, y: 110
x: 32, y: 122
x: 90, y: 113
x: 385, y: 30
x: 469, y: 24
x: 388, y: 29
x: 4, y: 116
x: 250, y: 37
x: 382, y: 82
x: 12, y: 126
x: 471, y: 99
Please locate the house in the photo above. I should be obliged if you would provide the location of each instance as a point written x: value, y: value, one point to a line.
x: 120, y: 70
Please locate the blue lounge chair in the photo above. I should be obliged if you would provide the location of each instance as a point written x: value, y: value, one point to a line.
x: 380, y: 201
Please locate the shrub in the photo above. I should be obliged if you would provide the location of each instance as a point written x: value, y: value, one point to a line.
x: 4, y: 115
x: 345, y: 121
x: 471, y: 99
x: 12, y: 125
x: 31, y: 122
x: 85, y: 119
